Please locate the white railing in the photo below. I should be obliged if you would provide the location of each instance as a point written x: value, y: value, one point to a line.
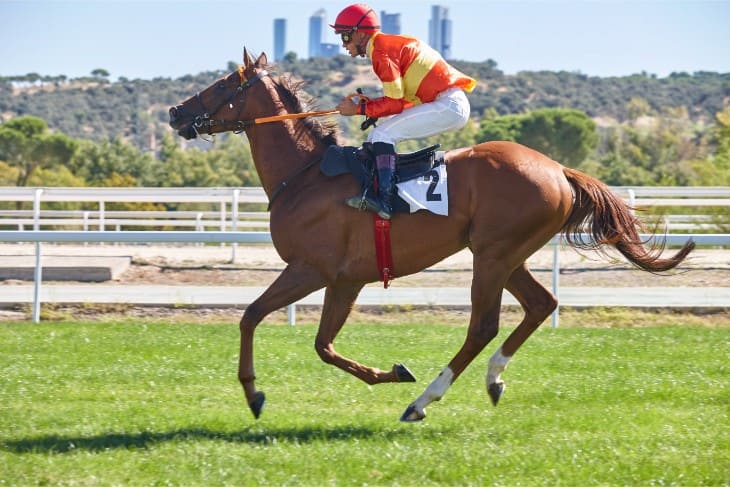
x: 229, y: 216
x: 101, y: 196
x: 228, y: 223
x: 257, y: 237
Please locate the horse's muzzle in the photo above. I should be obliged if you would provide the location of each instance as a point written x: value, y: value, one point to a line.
x: 174, y: 117
x: 183, y: 127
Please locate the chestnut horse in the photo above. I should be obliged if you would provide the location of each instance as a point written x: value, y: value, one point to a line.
x: 506, y: 201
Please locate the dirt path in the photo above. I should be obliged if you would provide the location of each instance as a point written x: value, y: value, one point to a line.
x: 258, y: 265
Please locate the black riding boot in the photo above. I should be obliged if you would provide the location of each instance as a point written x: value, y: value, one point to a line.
x: 385, y: 164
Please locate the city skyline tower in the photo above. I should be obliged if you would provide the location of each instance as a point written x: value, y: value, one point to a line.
x: 316, y: 28
x: 279, y: 39
x: 439, y: 30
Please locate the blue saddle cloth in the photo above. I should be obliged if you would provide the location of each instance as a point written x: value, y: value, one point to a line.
x: 360, y: 162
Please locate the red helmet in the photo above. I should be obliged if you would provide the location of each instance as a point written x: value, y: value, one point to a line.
x: 356, y: 17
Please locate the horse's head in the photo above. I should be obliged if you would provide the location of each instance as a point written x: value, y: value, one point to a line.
x: 221, y: 107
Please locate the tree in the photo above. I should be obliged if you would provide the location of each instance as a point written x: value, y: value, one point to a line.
x: 100, y: 73
x: 27, y: 145
x: 98, y: 162
x: 723, y: 139
x: 568, y: 136
x: 290, y: 57
x: 507, y: 127
x: 715, y: 170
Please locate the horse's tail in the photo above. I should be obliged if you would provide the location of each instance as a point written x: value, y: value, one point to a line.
x: 600, y: 217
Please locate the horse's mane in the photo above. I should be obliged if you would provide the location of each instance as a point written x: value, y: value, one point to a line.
x: 293, y: 94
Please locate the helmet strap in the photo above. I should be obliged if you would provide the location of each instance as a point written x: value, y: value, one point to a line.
x: 362, y: 46
x: 361, y: 19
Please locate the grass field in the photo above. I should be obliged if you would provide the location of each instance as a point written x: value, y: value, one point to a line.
x: 124, y: 403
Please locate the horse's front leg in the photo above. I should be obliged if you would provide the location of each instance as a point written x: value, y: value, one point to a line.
x: 338, y: 301
x: 294, y: 283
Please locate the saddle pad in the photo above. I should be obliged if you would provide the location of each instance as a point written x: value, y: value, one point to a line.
x: 428, y: 192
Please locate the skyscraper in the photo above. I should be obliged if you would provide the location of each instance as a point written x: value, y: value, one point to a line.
x: 439, y: 30
x: 279, y: 39
x: 316, y: 28
x: 390, y: 23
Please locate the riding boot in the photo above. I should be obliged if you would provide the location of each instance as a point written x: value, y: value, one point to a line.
x: 385, y: 162
x: 385, y: 165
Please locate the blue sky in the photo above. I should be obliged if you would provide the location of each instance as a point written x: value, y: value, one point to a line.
x: 165, y: 38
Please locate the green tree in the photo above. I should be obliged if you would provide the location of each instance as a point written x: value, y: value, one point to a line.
x: 100, y: 73
x: 723, y: 139
x: 27, y: 145
x: 568, y: 136
x: 715, y: 170
x: 508, y: 127
x: 97, y: 162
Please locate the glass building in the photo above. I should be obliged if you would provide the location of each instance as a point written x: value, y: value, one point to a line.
x: 439, y: 30
x: 279, y: 39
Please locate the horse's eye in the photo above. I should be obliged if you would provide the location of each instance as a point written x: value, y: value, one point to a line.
x: 221, y: 85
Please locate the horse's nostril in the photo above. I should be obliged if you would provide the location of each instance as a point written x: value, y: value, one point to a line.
x: 173, y: 114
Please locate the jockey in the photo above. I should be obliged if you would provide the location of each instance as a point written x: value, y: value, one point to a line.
x: 423, y: 95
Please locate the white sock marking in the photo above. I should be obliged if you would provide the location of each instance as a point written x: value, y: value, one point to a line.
x: 435, y: 389
x: 497, y: 364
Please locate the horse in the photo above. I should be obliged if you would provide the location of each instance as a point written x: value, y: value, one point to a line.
x: 506, y: 201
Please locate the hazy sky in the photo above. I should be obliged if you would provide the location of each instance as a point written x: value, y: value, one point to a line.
x: 148, y: 39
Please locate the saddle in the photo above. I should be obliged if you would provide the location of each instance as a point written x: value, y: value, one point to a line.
x: 360, y: 162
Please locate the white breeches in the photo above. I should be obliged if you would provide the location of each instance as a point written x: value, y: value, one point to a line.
x: 449, y: 111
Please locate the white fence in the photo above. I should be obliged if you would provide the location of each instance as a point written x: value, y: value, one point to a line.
x: 229, y: 217
x: 228, y: 220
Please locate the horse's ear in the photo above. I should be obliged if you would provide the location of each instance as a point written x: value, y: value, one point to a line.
x: 247, y: 59
x: 261, y: 61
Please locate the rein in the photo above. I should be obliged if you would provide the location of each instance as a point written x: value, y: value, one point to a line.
x: 237, y: 126
x: 285, y: 183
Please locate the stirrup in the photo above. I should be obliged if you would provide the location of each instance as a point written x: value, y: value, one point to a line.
x: 363, y: 203
x: 357, y: 202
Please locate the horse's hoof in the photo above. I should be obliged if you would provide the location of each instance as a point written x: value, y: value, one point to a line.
x: 412, y: 415
x: 403, y: 374
x: 495, y: 391
x: 257, y: 405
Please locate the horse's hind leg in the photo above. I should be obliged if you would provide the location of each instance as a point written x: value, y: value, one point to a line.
x: 486, y: 297
x: 338, y: 302
x: 537, y: 303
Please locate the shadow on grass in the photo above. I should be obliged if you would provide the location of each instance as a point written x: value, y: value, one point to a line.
x: 142, y: 440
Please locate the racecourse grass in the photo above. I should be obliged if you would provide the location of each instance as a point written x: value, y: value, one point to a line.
x: 124, y: 403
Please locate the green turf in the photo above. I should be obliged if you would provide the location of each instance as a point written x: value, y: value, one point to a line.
x: 159, y: 404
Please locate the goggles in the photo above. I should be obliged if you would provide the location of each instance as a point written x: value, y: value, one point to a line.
x: 347, y: 37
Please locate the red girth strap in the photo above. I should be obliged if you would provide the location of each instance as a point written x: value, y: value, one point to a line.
x: 382, y: 250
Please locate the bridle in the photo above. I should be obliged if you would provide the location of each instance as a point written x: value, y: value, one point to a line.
x: 206, y: 124
x: 203, y: 123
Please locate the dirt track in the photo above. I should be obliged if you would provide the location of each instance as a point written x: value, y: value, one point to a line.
x: 259, y: 265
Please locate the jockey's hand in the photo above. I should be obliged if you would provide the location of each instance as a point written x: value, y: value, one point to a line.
x: 347, y: 107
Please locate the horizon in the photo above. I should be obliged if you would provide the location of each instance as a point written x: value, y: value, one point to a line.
x: 594, y: 38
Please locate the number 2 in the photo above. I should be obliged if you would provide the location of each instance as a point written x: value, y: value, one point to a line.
x: 433, y: 175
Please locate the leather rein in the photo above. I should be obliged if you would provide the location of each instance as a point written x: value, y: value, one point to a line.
x: 205, y: 123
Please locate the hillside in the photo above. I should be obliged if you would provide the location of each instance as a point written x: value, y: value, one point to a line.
x: 136, y: 110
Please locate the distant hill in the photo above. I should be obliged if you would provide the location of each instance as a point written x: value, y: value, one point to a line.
x: 136, y: 110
